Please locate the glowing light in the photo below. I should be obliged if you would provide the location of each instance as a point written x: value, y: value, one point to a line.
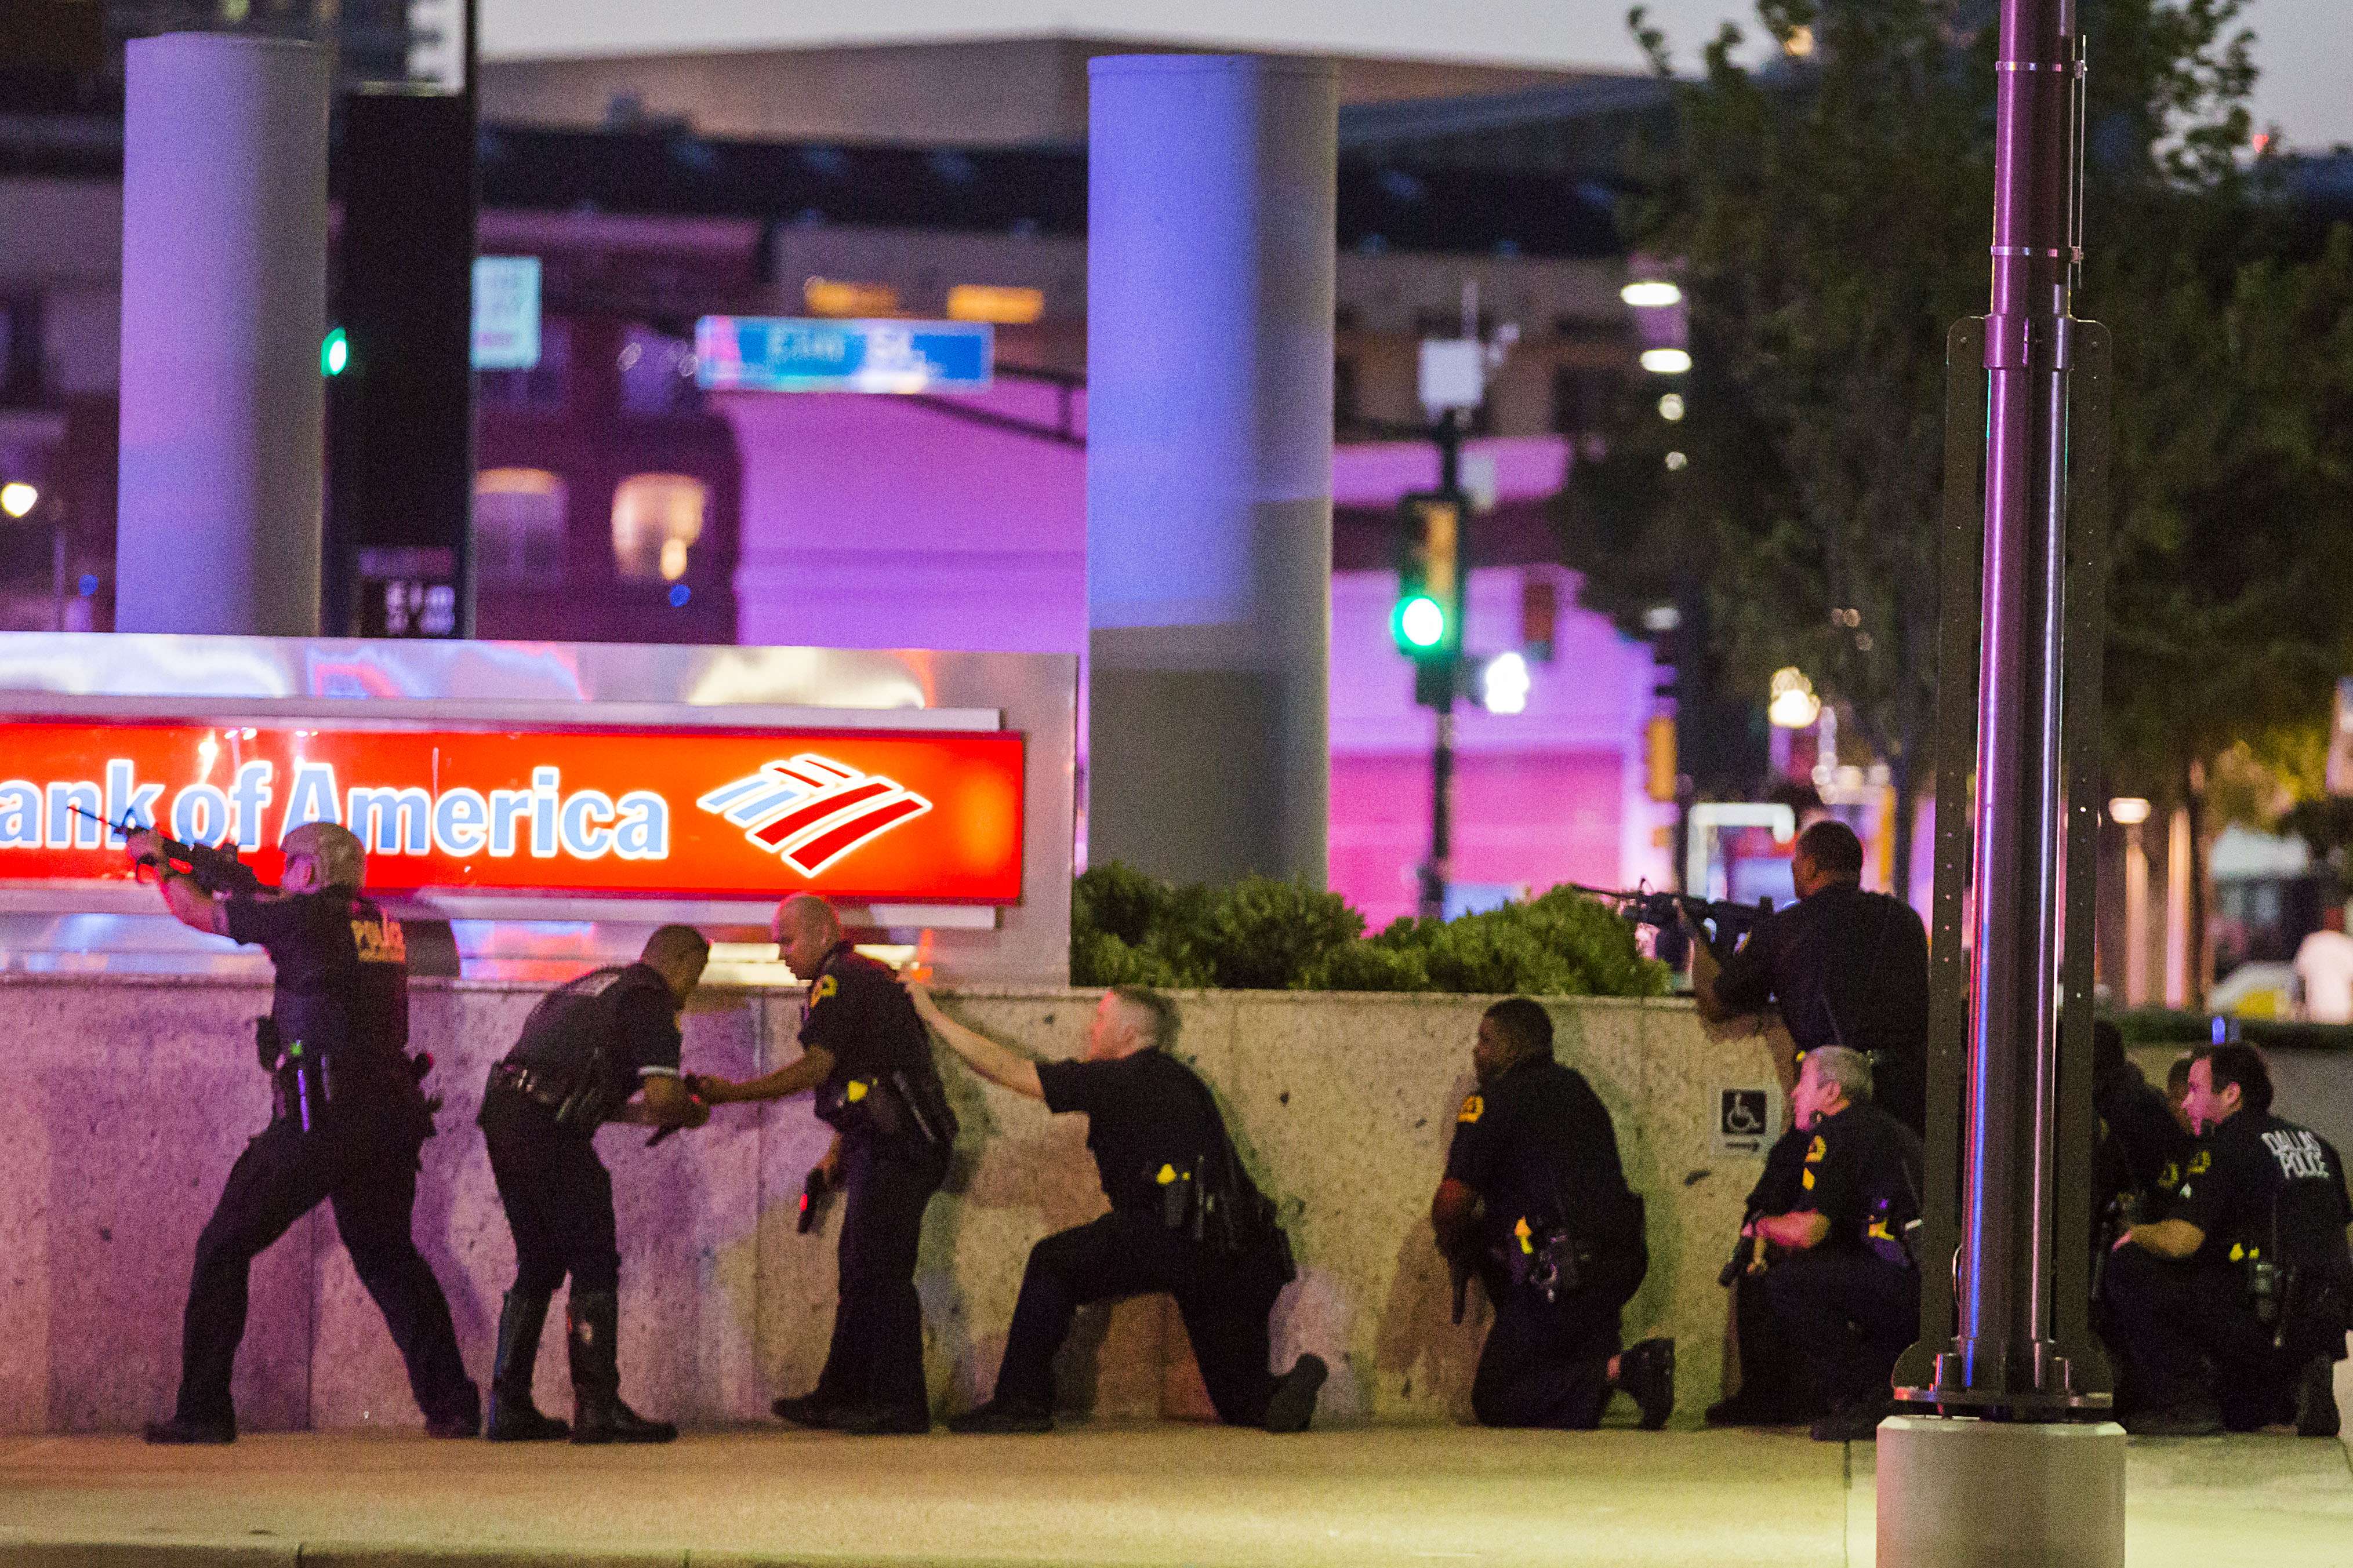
x: 1794, y: 704
x: 2128, y: 810
x: 1421, y: 621
x: 1671, y: 406
x: 334, y: 353
x: 1677, y: 462
x: 678, y: 594
x: 1650, y: 294
x: 1666, y: 362
x: 1503, y: 684
x: 17, y: 498
x: 1800, y: 43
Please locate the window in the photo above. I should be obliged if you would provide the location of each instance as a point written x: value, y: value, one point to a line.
x: 542, y: 389
x: 518, y: 526
x: 656, y: 518
x: 656, y: 373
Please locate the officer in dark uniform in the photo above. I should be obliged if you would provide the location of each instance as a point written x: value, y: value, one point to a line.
x: 585, y: 1054
x: 350, y: 1120
x: 1185, y: 1219
x: 2190, y: 1289
x: 1844, y: 967
x: 1535, y: 1201
x: 866, y: 1055
x: 1775, y: 1389
x: 1842, y: 1285
x: 2137, y: 1167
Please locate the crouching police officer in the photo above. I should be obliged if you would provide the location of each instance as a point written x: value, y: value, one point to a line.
x: 1535, y: 1202
x: 2248, y: 1270
x: 1842, y: 1286
x: 866, y: 1055
x: 585, y: 1052
x: 1776, y: 1388
x: 1185, y: 1219
x: 350, y: 1120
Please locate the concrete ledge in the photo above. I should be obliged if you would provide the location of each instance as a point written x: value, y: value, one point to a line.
x: 138, y: 1093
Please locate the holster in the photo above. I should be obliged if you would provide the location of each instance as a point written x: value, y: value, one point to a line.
x: 1552, y: 1266
x: 890, y: 1107
x: 302, y: 1085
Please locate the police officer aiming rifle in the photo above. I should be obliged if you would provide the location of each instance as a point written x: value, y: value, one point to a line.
x: 603, y: 1048
x: 1185, y: 1219
x: 350, y: 1118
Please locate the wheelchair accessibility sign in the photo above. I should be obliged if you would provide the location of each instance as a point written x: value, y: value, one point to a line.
x: 1747, y: 1118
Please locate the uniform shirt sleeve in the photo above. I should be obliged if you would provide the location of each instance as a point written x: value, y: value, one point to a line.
x: 1831, y: 1183
x: 268, y: 922
x: 649, y: 1028
x: 2205, y: 1195
x: 832, y: 1024
x: 1745, y: 981
x: 1470, y: 1158
x: 1070, y: 1085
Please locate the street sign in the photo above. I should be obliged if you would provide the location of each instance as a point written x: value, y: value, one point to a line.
x: 1454, y: 374
x: 506, y: 312
x: 765, y: 354
x: 1747, y: 1118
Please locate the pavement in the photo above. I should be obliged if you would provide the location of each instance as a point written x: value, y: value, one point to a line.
x: 1152, y: 1496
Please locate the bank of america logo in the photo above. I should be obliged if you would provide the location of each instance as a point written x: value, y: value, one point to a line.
x: 813, y: 810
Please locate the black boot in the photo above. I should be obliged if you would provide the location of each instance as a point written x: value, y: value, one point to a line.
x: 598, y: 1413
x: 513, y: 1417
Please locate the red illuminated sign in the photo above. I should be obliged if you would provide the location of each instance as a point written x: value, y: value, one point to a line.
x: 683, y: 812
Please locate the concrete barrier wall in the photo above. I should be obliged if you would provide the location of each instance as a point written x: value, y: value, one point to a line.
x: 131, y: 1097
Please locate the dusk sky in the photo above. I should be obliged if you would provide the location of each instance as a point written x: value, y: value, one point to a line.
x: 2303, y: 46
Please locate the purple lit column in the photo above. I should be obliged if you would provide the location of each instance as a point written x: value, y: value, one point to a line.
x: 224, y: 305
x: 1210, y: 234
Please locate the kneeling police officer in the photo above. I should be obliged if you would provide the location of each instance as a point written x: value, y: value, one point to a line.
x: 349, y: 1122
x: 1535, y: 1203
x: 585, y: 1054
x: 2248, y: 1270
x: 1842, y: 1285
x: 1185, y: 1219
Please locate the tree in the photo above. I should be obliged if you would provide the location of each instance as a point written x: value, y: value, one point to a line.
x: 1830, y: 213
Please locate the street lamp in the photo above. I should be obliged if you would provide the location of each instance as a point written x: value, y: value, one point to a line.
x: 1503, y: 683
x: 1794, y: 705
x: 2129, y: 812
x: 1666, y: 362
x: 1650, y: 294
x: 17, y: 498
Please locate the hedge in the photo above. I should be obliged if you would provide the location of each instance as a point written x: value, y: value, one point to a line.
x: 1129, y: 929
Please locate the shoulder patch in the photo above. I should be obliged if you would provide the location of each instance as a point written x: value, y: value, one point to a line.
x: 827, y: 985
x: 1816, y: 1152
x: 1473, y: 1109
x: 2201, y: 1162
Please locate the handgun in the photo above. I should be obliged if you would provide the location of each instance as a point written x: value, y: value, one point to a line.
x: 812, y: 1196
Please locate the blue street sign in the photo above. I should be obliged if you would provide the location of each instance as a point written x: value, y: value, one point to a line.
x: 768, y: 353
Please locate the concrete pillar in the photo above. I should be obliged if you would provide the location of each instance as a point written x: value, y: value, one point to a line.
x: 224, y: 304
x: 1210, y: 238
x: 1957, y: 1493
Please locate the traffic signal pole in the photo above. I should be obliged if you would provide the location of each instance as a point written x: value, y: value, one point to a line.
x: 1438, y: 870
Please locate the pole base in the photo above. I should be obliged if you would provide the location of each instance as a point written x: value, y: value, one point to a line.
x: 1957, y: 1493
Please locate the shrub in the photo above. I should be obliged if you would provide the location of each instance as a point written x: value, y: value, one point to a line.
x: 1128, y: 928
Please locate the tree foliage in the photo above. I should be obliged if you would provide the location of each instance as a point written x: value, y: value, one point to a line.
x: 1829, y: 216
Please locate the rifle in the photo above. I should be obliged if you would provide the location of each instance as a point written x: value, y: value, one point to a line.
x: 216, y: 870
x: 1645, y: 905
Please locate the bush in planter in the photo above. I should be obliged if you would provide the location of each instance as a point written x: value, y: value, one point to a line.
x: 1128, y: 928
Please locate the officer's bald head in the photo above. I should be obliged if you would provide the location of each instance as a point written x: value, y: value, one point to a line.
x: 678, y: 954
x: 805, y: 929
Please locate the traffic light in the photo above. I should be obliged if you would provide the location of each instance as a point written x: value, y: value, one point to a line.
x: 1427, y: 624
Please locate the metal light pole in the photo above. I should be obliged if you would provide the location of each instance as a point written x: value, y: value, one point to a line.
x: 2030, y: 1479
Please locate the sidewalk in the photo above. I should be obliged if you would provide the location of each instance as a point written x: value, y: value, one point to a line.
x: 1151, y: 1496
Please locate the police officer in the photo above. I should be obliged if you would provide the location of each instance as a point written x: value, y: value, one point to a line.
x: 865, y: 1054
x: 1534, y: 1200
x: 2178, y: 1288
x: 350, y: 1120
x: 1844, y: 967
x: 2138, y: 1166
x: 585, y: 1054
x: 1842, y: 1286
x: 1775, y: 1389
x: 1185, y: 1219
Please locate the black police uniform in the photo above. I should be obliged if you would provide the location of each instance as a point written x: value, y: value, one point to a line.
x: 341, y: 997
x: 1852, y: 1301
x: 2171, y: 1315
x: 2143, y: 1152
x: 1168, y: 1167
x: 583, y: 1054
x: 1846, y: 968
x: 883, y: 1097
x: 1537, y: 1146
x: 1775, y: 1385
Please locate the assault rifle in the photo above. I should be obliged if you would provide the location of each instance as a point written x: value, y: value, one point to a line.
x: 1725, y: 921
x: 215, y: 869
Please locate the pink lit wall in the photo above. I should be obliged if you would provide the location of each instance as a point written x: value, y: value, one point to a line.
x: 882, y: 522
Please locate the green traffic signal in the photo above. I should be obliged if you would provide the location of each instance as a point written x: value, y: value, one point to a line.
x: 1420, y: 623
x: 334, y: 353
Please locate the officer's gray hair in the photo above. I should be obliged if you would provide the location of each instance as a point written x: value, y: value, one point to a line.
x: 341, y: 857
x: 1155, y: 1016
x: 1848, y: 1068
